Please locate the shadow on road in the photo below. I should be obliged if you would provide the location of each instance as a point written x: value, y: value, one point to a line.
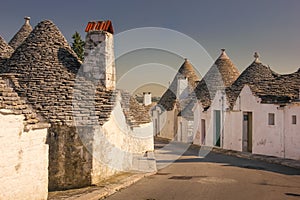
x: 191, y: 156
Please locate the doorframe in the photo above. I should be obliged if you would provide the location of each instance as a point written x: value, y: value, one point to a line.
x: 248, y: 136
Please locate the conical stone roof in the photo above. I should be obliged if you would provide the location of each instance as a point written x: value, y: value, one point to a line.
x: 5, y: 49
x: 283, y: 89
x: 257, y: 76
x: 10, y: 100
x: 46, y: 69
x: 186, y: 70
x: 21, y: 35
x: 221, y: 75
x: 135, y: 113
x: 227, y: 69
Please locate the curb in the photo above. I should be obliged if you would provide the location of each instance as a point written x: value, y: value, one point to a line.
x: 110, y: 189
x: 269, y: 159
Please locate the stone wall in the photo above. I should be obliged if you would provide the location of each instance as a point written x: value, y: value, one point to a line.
x: 70, y: 163
x: 24, y: 160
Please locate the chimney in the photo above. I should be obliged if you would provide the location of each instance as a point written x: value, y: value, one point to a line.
x: 99, y: 60
x: 147, y: 98
x: 182, y: 85
x: 27, y: 20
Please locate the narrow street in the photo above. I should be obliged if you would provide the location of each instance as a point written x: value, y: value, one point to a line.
x: 215, y: 176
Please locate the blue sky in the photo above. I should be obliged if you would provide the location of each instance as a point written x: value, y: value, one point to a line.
x: 271, y: 27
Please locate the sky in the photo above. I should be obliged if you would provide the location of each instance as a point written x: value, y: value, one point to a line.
x: 270, y: 27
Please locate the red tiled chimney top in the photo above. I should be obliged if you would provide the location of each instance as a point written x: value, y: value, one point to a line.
x: 100, y: 26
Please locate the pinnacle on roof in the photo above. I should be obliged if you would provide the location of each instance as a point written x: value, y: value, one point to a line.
x: 257, y: 76
x: 45, y: 49
x: 21, y: 35
x: 5, y: 49
x: 221, y: 75
x: 227, y: 69
x: 256, y: 56
x: 187, y: 71
x: 256, y: 72
x: 223, y: 55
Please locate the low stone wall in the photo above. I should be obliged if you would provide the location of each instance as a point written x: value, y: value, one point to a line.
x: 23, y: 160
x: 70, y: 163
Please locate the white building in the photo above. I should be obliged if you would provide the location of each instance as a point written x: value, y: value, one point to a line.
x: 258, y: 113
x: 91, y: 136
x: 209, y: 111
x: 23, y: 148
x: 173, y: 101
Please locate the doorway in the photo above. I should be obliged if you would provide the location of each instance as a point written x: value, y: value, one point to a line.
x: 203, y: 131
x: 217, y: 127
x: 247, y: 132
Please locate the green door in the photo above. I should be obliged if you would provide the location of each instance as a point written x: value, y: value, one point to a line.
x: 217, y: 127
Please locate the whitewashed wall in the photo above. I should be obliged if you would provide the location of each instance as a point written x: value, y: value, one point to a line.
x: 167, y: 124
x: 185, y: 130
x: 23, y: 160
x: 266, y: 139
x: 233, y: 130
x: 280, y: 140
x: 292, y: 132
x: 218, y: 103
x: 199, y: 114
x: 116, y: 146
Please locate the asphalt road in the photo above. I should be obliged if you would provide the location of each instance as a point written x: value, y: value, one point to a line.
x: 215, y: 176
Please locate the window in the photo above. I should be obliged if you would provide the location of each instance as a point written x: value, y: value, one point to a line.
x: 294, y: 119
x: 271, y: 119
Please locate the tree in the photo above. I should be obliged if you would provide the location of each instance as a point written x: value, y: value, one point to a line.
x: 78, y: 45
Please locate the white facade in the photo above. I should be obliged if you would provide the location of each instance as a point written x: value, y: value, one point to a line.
x: 117, y: 147
x: 164, y: 122
x: 24, y: 160
x: 209, y: 124
x: 168, y: 124
x: 185, y: 130
x: 268, y: 129
x: 279, y: 139
x: 292, y: 131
